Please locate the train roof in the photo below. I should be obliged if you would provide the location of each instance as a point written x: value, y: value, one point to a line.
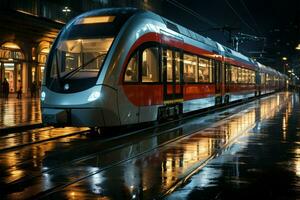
x: 269, y: 70
x: 182, y: 31
x: 222, y: 50
x: 110, y: 11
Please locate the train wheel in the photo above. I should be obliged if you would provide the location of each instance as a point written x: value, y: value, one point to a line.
x: 178, y: 111
x: 218, y: 101
x: 226, y: 99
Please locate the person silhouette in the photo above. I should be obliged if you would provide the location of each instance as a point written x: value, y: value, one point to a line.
x: 5, y: 89
x: 19, y: 93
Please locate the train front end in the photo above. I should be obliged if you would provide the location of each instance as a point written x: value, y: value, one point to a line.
x: 73, y: 91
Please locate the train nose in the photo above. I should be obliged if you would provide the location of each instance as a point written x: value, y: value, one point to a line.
x: 55, y: 116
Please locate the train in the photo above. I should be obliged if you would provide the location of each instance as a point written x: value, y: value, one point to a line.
x: 118, y: 67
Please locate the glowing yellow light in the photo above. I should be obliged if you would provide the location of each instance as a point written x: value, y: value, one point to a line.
x: 46, y: 50
x: 284, y: 58
x: 11, y: 45
x: 95, y: 20
x: 298, y: 47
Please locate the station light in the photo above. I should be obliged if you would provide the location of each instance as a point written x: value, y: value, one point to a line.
x: 284, y: 58
x: 66, y: 10
x: 11, y: 45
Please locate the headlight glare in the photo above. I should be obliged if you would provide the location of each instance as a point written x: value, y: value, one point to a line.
x: 43, y: 95
x: 93, y: 96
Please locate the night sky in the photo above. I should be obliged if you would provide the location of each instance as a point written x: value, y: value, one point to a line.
x: 276, y: 21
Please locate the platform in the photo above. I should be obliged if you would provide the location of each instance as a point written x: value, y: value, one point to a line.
x: 262, y: 163
x: 250, y: 151
x: 19, y: 112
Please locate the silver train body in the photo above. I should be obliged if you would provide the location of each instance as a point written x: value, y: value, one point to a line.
x: 103, y: 102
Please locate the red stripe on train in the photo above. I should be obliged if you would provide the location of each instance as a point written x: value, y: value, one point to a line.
x: 148, y: 94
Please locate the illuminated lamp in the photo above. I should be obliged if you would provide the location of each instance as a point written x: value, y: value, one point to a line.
x: 10, y: 45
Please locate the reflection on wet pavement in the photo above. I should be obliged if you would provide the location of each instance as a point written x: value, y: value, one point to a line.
x: 35, y: 136
x: 15, y: 112
x: 217, y: 156
x: 158, y: 170
x: 26, y: 160
x: 263, y: 164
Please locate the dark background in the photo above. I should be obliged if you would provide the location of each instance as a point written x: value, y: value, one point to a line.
x: 273, y: 26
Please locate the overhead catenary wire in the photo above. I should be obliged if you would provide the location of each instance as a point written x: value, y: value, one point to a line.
x: 251, y: 16
x: 240, y: 18
x: 192, y: 12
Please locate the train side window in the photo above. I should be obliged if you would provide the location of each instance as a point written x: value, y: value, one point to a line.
x: 177, y: 66
x: 240, y: 75
x: 150, y: 65
x: 190, y: 68
x: 262, y: 78
x: 131, y: 73
x: 245, y: 75
x: 249, y: 76
x: 234, y: 74
x: 228, y: 73
x: 252, y: 77
x: 168, y: 55
x: 205, y: 71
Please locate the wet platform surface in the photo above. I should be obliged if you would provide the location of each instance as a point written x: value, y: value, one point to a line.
x: 231, y: 154
x: 19, y: 112
x: 263, y: 163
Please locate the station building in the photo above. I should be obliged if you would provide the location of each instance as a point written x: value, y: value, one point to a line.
x: 28, y: 29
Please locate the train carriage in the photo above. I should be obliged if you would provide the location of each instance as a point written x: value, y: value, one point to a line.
x: 116, y: 67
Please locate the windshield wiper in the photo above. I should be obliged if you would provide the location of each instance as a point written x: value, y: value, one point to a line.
x: 74, y: 71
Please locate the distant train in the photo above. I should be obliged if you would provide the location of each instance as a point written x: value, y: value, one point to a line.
x: 115, y: 67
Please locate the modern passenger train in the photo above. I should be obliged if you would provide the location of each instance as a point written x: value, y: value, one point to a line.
x: 118, y: 67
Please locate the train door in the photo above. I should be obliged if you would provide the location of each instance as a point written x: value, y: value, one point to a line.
x: 227, y: 81
x: 172, y: 81
x: 218, y: 81
x: 257, y: 83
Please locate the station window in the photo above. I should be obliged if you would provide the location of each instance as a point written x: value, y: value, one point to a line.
x: 150, y: 65
x: 205, y: 71
x: 131, y: 73
x: 190, y: 68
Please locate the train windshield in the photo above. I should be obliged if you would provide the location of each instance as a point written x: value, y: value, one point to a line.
x: 78, y: 55
x: 80, y: 58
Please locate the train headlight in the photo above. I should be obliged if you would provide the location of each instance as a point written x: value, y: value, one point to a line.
x: 43, y: 95
x: 95, y: 95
